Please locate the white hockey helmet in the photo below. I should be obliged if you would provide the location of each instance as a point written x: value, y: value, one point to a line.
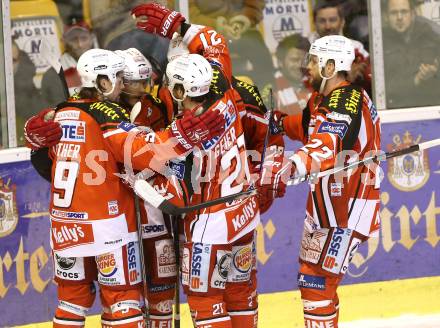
x: 336, y: 47
x: 193, y: 72
x: 137, y: 67
x: 177, y: 47
x: 96, y: 62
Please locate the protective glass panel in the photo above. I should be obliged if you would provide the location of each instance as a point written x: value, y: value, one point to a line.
x: 411, y: 49
x: 268, y: 41
x: 3, y: 115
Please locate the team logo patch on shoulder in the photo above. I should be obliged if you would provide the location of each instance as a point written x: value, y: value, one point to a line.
x: 126, y: 126
x: 339, y: 129
x: 177, y: 169
x: 73, y: 131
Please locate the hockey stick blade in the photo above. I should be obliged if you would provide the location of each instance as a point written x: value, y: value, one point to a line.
x: 379, y: 158
x: 145, y: 191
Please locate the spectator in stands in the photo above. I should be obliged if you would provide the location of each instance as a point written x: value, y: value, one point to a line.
x: 116, y: 30
x: 237, y: 21
x: 329, y: 19
x: 78, y: 38
x: 27, y: 97
x: 411, y: 51
x: 291, y: 85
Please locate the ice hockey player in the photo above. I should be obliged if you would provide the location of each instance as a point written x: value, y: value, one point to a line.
x: 93, y: 227
x: 152, y: 113
x: 340, y: 123
x: 253, y: 113
x: 219, y: 252
x: 159, y: 253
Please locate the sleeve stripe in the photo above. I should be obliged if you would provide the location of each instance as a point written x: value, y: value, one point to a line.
x: 109, y: 124
x: 191, y: 33
x: 257, y: 118
x: 300, y: 167
x: 113, y: 132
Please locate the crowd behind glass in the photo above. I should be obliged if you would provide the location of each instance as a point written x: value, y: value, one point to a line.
x: 411, y: 42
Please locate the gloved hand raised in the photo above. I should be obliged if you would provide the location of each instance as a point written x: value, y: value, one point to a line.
x: 157, y: 19
x: 192, y: 130
x: 40, y: 131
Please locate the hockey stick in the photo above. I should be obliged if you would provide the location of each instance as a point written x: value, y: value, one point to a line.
x: 376, y: 158
x: 141, y: 254
x: 47, y: 52
x: 175, y: 227
x: 145, y: 191
x: 266, y: 137
x: 149, y: 194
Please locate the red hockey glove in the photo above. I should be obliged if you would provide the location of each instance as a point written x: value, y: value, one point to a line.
x: 41, y: 131
x: 274, y: 175
x: 157, y: 19
x: 193, y: 130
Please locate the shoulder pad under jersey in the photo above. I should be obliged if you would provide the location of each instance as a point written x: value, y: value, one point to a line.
x: 250, y: 95
x: 219, y: 83
x: 101, y: 111
x: 107, y: 112
x: 346, y: 100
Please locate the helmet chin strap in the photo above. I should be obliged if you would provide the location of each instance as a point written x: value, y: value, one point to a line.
x: 324, y: 80
x: 106, y: 94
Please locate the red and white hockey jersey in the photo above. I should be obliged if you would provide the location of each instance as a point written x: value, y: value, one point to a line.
x: 344, y: 120
x: 91, y: 208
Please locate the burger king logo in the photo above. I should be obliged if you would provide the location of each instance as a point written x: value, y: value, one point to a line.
x: 106, y: 264
x: 243, y: 259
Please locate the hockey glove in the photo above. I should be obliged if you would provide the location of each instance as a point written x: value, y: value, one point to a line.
x: 40, y: 131
x: 191, y: 130
x: 276, y: 124
x: 157, y: 19
x: 274, y: 175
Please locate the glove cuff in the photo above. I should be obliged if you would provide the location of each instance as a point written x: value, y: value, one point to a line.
x: 183, y: 143
x: 171, y: 24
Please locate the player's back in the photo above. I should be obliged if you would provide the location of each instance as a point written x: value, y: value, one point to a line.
x: 221, y: 169
x: 91, y: 209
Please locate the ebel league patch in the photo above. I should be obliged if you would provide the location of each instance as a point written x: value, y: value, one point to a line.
x: 339, y: 129
x: 126, y: 126
x: 177, y: 169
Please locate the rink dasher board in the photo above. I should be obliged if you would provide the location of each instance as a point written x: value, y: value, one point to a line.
x: 409, y: 239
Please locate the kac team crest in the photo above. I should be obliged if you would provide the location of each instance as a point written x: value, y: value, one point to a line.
x: 411, y: 171
x: 8, y: 208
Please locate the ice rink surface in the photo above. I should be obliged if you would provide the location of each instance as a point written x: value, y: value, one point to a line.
x: 405, y: 321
